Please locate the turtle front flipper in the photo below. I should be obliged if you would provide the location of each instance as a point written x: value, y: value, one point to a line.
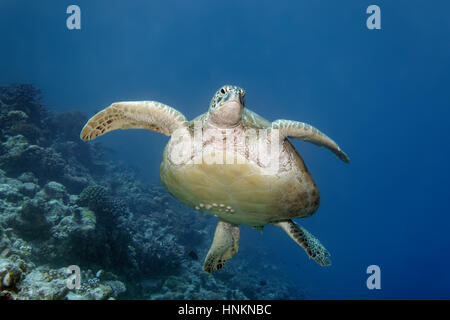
x: 225, y: 246
x: 149, y: 115
x: 307, y: 241
x: 304, y: 131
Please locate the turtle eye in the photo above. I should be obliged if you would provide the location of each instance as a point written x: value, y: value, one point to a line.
x: 223, y: 90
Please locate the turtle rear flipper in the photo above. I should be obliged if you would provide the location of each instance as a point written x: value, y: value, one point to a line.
x: 307, y: 241
x: 225, y: 246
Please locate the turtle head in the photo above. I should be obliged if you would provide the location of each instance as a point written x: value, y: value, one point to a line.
x: 226, y: 106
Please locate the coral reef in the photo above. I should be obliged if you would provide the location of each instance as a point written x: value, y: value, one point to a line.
x: 62, y: 203
x: 25, y: 98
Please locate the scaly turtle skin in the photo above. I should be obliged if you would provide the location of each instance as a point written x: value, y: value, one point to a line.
x: 196, y: 167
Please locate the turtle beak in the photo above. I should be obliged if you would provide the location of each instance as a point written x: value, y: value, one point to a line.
x: 232, y: 103
x: 229, y: 112
x: 233, y: 96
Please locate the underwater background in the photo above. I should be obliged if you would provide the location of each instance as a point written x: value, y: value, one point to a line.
x: 382, y: 95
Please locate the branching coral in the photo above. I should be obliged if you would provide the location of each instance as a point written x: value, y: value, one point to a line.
x: 18, y: 156
x: 112, y: 237
x: 24, y: 97
x: 28, y: 130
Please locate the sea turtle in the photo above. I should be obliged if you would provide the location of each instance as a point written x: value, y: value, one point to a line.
x: 246, y: 190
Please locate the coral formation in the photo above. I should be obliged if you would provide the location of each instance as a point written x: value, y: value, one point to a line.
x: 62, y: 204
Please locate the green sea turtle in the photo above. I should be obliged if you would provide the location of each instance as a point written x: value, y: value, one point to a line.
x: 210, y: 165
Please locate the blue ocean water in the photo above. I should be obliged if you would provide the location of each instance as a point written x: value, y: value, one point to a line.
x: 381, y: 94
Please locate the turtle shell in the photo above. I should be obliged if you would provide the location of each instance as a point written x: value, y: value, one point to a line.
x: 245, y: 191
